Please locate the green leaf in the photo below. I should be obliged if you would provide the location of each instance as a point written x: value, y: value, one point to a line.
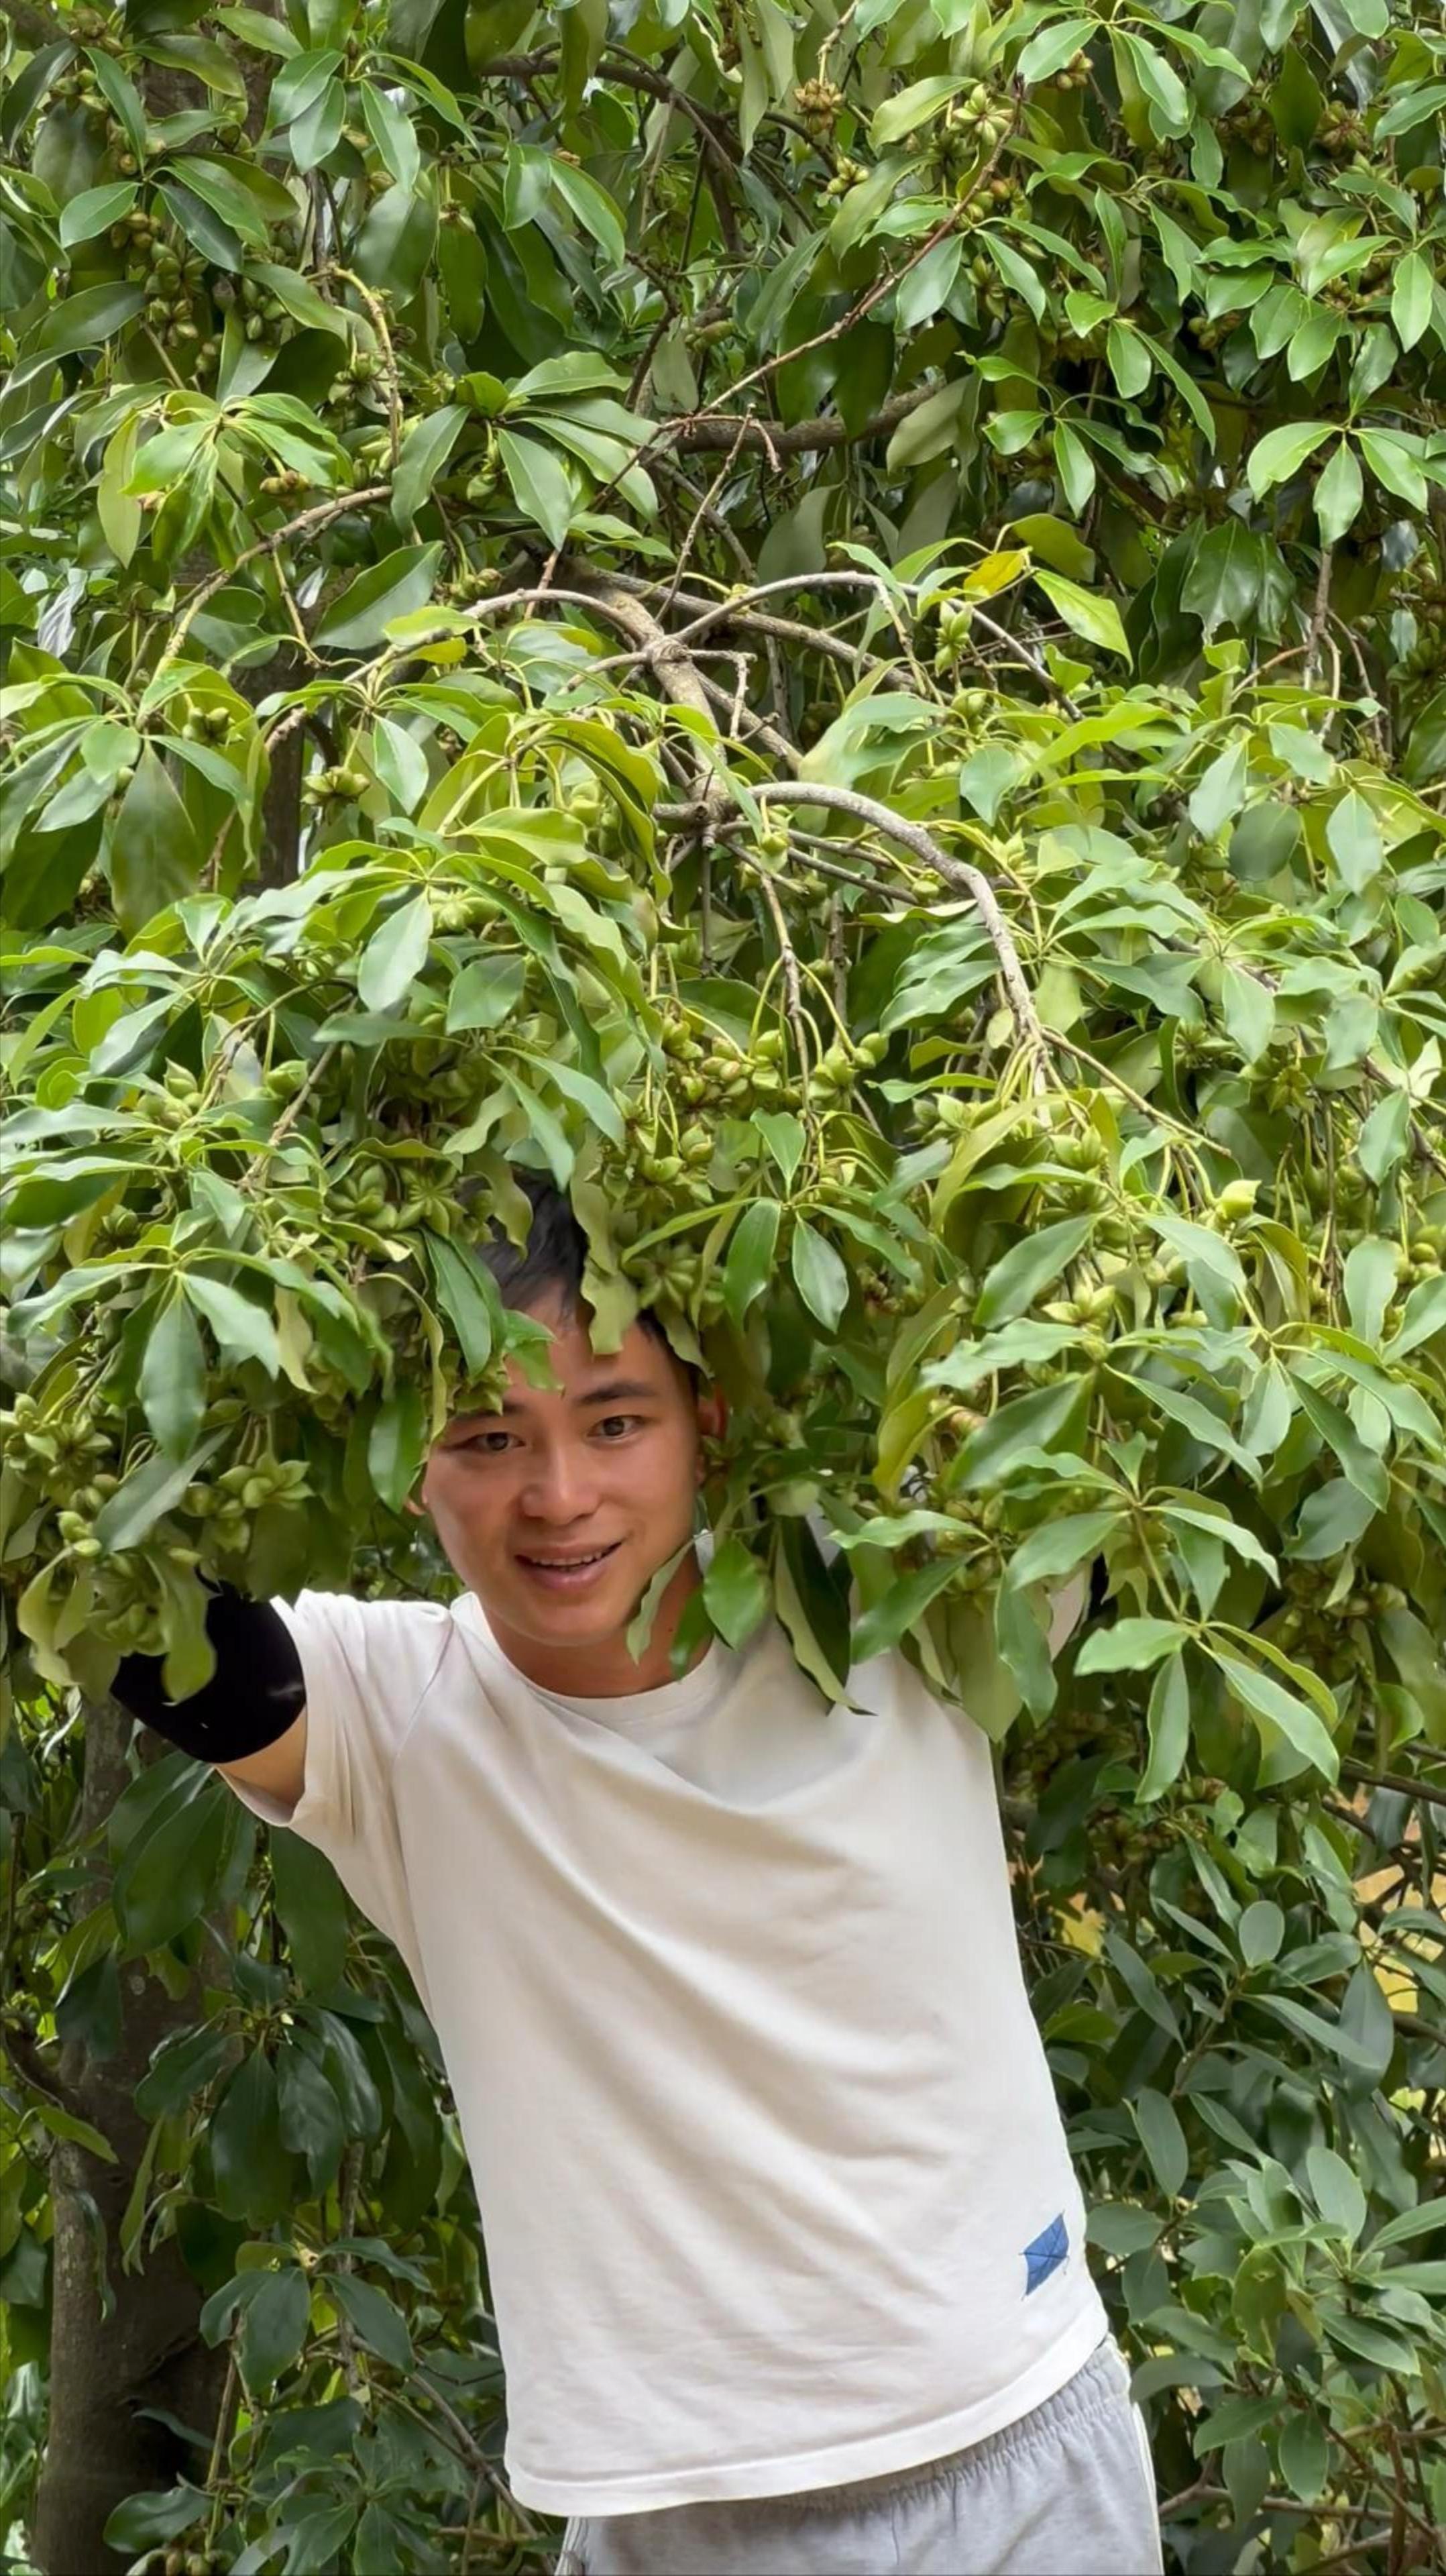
x: 1422, y: 1317
x: 244, y: 1330
x: 398, y: 1442
x: 1370, y: 1283
x: 1130, y: 1646
x: 1282, y: 452
x: 486, y: 993
x: 425, y: 450
x: 540, y: 484
x: 1061, y: 1545
x: 1052, y: 47
x: 912, y: 107
x: 1268, y: 1699
x: 146, y: 2522
x: 377, y: 2319
x: 1354, y: 837
x: 819, y: 1275
x: 95, y: 210
x: 927, y: 288
x: 155, y: 855
x: 783, y: 1134
x: 309, y: 2116
x: 299, y: 84
x: 1221, y: 792
x: 273, y: 2327
x: 167, y: 1876
x: 901, y: 1607
x: 1171, y: 111
x: 312, y: 1910
x: 1338, y: 2194
x: 202, y: 229
x: 468, y: 1296
x: 1075, y: 467
x: 1412, y: 291
x: 1261, y: 1930
x: 401, y: 582
x: 148, y: 1492
x: 593, y: 207
x: 1235, y: 2420
x: 255, y: 2177
x: 1027, y: 1269
x: 172, y: 1384
x: 228, y: 197
x: 1384, y: 1137
x: 736, y: 1591
x: 1339, y: 493
x: 395, y: 954
x: 1304, y: 2453
x: 1129, y: 358
x: 400, y: 764
x: 1393, y: 464
x: 1038, y: 1420
x: 393, y: 133
x: 1248, y: 1008
x: 749, y: 1266
x: 1168, y: 1720
x: 1162, y: 2138
x: 1096, y: 619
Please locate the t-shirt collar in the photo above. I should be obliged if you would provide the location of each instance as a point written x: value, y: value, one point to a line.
x: 630, y: 1712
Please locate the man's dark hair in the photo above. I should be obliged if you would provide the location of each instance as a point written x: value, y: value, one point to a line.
x: 550, y: 1264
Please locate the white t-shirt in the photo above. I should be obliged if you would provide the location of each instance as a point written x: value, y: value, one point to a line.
x: 773, y: 2183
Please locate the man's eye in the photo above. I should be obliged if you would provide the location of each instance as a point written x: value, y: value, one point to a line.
x: 616, y: 1426
x: 492, y: 1443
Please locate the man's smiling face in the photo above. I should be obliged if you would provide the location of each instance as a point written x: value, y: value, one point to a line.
x: 557, y: 1511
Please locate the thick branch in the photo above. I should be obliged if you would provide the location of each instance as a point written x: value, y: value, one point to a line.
x: 716, y: 433
x: 35, y: 27
x: 1398, y: 1780
x: 671, y: 665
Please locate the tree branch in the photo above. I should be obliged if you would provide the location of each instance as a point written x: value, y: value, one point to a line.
x: 35, y: 27
x: 1399, y: 1780
x: 717, y: 432
x: 957, y: 874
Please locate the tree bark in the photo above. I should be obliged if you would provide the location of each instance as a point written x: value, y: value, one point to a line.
x: 101, y: 2446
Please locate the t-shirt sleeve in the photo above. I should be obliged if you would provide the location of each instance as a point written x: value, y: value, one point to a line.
x: 367, y: 1666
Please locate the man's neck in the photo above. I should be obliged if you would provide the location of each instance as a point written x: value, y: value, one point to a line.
x: 606, y: 1670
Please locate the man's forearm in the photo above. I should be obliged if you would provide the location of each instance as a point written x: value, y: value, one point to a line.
x: 254, y: 1695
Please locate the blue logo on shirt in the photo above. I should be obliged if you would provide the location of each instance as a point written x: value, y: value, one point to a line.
x: 1046, y: 2254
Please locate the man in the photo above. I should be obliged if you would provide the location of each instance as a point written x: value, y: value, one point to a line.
x: 784, y: 2244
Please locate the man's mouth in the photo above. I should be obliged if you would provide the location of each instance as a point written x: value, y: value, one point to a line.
x: 566, y: 1570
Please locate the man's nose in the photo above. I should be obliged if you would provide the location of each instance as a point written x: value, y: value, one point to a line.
x: 561, y: 1487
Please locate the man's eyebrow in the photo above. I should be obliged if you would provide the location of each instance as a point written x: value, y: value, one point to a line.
x: 612, y: 1392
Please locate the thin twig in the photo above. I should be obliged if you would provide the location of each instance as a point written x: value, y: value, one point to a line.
x: 1318, y: 616
x: 301, y: 526
x: 287, y: 1119
x: 379, y: 325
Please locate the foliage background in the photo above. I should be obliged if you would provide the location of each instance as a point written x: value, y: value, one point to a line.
x: 829, y: 623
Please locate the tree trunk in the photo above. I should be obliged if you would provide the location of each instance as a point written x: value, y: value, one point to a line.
x: 148, y: 2352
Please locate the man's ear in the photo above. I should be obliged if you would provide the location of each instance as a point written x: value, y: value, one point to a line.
x: 712, y: 1406
x: 419, y: 1510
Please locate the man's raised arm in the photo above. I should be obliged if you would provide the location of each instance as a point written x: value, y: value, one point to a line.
x: 250, y: 1717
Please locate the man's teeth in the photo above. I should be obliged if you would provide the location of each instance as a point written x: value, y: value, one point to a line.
x: 568, y: 1564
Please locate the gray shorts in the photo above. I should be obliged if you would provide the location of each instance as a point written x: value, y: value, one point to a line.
x: 1069, y: 2490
